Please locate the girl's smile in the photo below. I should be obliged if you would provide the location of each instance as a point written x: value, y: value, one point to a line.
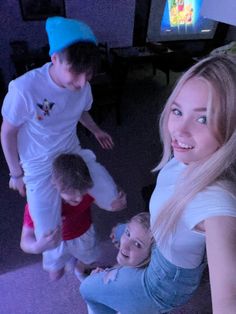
x: 179, y: 146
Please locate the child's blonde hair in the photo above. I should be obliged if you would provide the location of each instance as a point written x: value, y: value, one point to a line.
x: 219, y: 72
x: 143, y: 218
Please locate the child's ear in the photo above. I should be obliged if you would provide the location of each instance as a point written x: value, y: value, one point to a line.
x: 54, y: 58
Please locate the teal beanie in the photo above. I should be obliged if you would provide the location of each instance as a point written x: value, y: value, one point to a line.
x: 63, y: 32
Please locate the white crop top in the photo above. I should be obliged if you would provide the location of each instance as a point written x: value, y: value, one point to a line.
x: 186, y: 247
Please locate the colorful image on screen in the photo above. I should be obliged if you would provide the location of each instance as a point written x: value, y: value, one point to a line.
x: 183, y: 16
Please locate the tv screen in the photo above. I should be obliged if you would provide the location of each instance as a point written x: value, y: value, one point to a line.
x: 172, y: 20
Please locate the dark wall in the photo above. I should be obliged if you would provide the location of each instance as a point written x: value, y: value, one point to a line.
x: 142, y: 11
x: 112, y: 21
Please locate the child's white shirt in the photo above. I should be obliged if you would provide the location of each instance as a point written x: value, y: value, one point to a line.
x: 46, y: 114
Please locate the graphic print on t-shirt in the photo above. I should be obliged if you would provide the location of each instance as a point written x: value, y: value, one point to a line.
x: 45, y: 107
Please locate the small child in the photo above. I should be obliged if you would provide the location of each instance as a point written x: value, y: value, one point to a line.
x: 134, y: 241
x: 78, y: 189
x: 134, y: 245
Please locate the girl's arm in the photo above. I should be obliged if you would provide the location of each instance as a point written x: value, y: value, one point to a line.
x: 29, y: 244
x: 221, y: 254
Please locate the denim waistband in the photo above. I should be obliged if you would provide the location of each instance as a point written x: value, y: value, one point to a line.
x: 168, y: 284
x: 172, y: 269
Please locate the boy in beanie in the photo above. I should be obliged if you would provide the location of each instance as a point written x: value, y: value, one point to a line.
x: 40, y: 114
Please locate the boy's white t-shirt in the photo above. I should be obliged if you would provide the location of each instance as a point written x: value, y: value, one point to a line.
x: 46, y: 114
x: 186, y: 247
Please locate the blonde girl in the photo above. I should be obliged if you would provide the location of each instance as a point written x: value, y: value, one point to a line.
x: 193, y: 207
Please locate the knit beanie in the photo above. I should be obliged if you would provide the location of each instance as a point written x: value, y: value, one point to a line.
x: 63, y: 32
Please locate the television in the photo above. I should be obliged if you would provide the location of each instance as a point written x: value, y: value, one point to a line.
x: 178, y: 20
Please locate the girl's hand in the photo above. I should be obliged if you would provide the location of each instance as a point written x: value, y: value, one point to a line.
x: 104, y: 139
x: 120, y: 202
x: 49, y: 241
x: 17, y: 184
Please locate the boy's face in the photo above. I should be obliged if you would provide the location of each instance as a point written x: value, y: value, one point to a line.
x: 72, y: 197
x: 135, y: 245
x: 63, y: 76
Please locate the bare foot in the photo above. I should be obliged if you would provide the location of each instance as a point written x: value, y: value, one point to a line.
x: 56, y: 275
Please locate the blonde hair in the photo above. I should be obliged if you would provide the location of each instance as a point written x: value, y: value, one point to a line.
x: 143, y: 218
x: 219, y: 72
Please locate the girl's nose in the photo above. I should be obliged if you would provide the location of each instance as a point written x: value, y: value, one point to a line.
x: 125, y: 245
x: 183, y: 127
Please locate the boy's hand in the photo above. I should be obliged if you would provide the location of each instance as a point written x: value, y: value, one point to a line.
x: 104, y: 139
x: 116, y: 234
x: 49, y: 241
x: 113, y: 238
x: 120, y: 202
x: 18, y: 185
x: 96, y: 270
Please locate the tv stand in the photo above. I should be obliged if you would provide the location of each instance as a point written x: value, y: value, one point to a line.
x: 172, y: 58
x: 124, y: 57
x: 159, y: 55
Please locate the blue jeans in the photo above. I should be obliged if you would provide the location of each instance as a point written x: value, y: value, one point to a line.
x: 161, y: 287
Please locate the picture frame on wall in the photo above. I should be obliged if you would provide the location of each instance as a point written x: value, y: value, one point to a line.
x: 41, y: 9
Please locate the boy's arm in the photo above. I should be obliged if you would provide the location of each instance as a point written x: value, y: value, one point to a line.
x: 28, y: 241
x: 117, y: 204
x: 104, y: 191
x: 103, y: 138
x: 9, y: 145
x: 29, y: 244
x: 120, y: 202
x: 116, y: 234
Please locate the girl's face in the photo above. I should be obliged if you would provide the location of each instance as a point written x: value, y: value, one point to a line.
x: 135, y: 245
x: 192, y: 140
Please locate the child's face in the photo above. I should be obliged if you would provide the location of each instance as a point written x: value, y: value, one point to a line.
x: 72, y: 197
x: 135, y: 245
x: 192, y: 140
x: 64, y: 77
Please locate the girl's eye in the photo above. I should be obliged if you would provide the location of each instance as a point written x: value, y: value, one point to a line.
x: 176, y: 112
x: 202, y: 120
x: 137, y: 244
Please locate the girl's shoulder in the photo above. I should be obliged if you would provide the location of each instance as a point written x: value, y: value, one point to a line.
x: 171, y: 172
x: 218, y: 195
x: 174, y: 165
x: 212, y: 201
